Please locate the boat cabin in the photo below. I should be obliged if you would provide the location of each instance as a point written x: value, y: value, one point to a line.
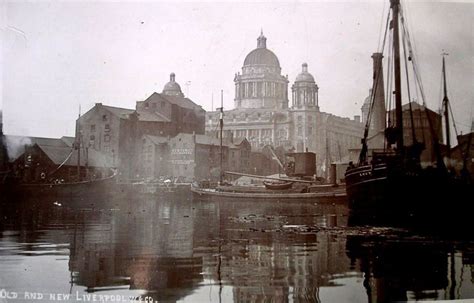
x: 301, y: 164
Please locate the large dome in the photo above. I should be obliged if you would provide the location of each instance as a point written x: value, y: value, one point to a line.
x: 305, y: 76
x: 262, y: 55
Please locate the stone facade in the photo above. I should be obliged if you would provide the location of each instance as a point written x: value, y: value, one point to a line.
x: 262, y: 114
x: 261, y: 84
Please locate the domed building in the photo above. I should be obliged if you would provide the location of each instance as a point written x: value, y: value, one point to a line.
x: 305, y: 90
x: 304, y: 110
x: 261, y: 114
x: 172, y: 88
x: 261, y: 84
x: 365, y: 107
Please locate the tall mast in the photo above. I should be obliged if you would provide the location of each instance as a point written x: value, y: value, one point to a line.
x: 221, y: 126
x: 398, y: 87
x: 446, y: 110
x: 78, y: 144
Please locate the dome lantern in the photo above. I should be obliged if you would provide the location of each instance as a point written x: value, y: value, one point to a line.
x: 261, y: 41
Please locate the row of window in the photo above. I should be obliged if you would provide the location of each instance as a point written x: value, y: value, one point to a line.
x: 259, y: 89
x: 154, y: 104
x: 309, y: 131
x: 308, y: 118
x: 106, y: 138
x: 106, y: 128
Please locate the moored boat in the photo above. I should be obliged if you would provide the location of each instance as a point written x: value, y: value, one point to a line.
x: 91, y: 188
x: 321, y: 192
x: 394, y: 181
x: 281, y: 185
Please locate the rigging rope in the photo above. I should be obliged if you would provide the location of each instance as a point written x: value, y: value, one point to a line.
x: 452, y: 118
x: 389, y: 83
x: 363, y: 152
x: 67, y: 158
x: 413, y: 134
x: 433, y: 133
x: 381, y: 25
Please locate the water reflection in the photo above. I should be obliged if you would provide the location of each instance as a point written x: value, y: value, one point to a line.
x: 175, y: 248
x: 246, y: 249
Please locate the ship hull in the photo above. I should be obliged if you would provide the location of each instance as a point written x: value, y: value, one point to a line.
x: 382, y: 193
x: 87, y: 189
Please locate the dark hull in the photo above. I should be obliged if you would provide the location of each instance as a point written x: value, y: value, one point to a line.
x: 94, y: 188
x: 395, y: 195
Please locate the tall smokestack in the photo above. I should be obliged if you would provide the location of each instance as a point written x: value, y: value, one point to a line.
x: 379, y: 111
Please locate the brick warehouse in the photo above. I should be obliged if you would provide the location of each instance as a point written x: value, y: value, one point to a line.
x: 118, y: 132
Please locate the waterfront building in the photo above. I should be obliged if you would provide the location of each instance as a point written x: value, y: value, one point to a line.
x: 169, y: 113
x: 118, y: 131
x: 262, y: 113
x: 41, y: 160
x: 421, y: 130
x: 103, y: 128
x: 191, y: 157
x: 154, y: 157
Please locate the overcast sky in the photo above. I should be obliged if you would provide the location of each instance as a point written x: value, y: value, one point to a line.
x: 57, y: 55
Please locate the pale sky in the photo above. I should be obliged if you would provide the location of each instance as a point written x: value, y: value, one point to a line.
x: 57, y: 55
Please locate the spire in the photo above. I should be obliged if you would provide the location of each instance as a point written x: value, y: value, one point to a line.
x: 261, y: 40
x: 172, y: 77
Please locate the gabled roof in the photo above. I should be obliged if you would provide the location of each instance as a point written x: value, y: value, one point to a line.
x: 57, y: 149
x: 16, y: 144
x: 118, y: 111
x: 201, y: 139
x: 152, y: 117
x: 208, y: 140
x: 60, y: 154
x: 68, y: 140
x: 177, y: 100
x: 239, y: 141
x: 156, y: 139
x: 414, y: 106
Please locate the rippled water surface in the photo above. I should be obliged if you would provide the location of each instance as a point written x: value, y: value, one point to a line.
x: 178, y: 248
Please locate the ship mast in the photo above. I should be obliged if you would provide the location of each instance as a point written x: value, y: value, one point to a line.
x: 221, y: 126
x: 395, y: 5
x: 446, y: 110
x: 78, y: 144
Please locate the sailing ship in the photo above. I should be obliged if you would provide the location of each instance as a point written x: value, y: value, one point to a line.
x: 394, y: 182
